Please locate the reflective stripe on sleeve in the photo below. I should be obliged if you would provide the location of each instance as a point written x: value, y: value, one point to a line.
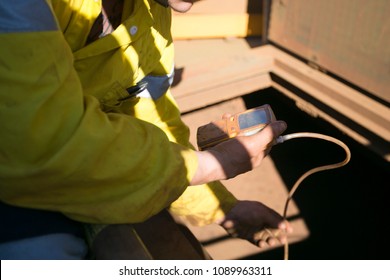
x: 26, y: 16
x: 156, y: 86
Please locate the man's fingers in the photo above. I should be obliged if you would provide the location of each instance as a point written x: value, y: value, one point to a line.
x: 272, y: 131
x: 278, y: 128
x: 266, y: 137
x: 285, y: 226
x: 270, y: 237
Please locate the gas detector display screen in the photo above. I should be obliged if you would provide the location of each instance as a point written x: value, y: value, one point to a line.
x: 252, y: 118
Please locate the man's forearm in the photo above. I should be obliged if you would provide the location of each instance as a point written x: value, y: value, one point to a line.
x: 236, y: 156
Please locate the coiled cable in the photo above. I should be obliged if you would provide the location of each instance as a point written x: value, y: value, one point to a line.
x: 284, y: 138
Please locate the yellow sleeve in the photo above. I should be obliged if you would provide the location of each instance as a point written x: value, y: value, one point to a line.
x: 204, y: 204
x: 59, y: 151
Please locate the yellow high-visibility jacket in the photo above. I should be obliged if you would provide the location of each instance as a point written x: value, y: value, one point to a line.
x: 72, y: 138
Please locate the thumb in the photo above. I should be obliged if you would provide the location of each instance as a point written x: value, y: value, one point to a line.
x: 270, y: 132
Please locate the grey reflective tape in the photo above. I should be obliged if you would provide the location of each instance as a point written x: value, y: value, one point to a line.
x: 157, y: 86
x: 26, y: 16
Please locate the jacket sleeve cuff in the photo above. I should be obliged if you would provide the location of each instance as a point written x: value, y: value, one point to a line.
x: 204, y: 204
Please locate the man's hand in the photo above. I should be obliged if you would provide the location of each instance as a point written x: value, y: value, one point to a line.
x: 236, y: 156
x: 257, y: 223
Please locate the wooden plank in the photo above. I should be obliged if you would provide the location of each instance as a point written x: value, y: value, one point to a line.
x: 350, y: 39
x: 219, y: 19
x: 362, y: 118
x: 216, y: 70
x: 195, y: 26
x: 222, y: 7
x: 209, y: 96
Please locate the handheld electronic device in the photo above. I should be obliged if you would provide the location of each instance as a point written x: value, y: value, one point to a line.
x: 245, y: 123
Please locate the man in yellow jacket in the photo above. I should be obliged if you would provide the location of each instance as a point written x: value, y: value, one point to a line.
x: 91, y: 131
